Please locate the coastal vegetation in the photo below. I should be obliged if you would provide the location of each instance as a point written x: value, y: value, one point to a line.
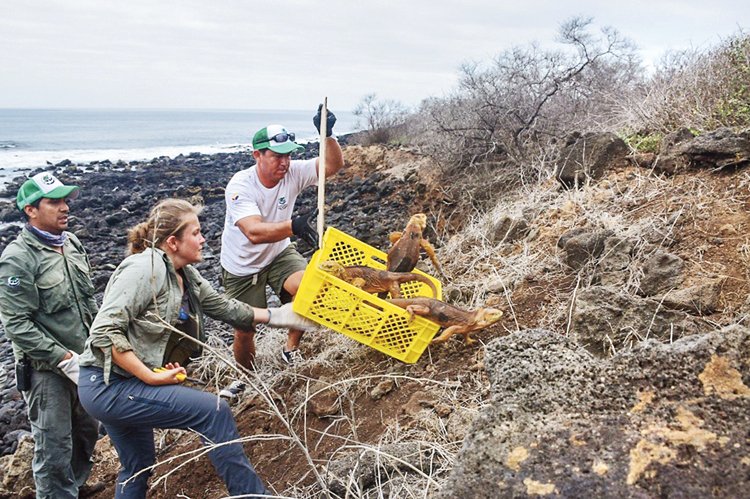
x: 503, y: 124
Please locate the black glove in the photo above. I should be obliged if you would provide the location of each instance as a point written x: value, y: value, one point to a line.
x: 302, y: 227
x: 330, y: 121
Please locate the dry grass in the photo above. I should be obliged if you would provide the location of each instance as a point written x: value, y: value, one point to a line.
x: 677, y: 214
x: 646, y: 211
x: 395, y: 474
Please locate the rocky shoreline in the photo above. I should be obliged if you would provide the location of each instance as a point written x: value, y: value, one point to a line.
x: 116, y: 196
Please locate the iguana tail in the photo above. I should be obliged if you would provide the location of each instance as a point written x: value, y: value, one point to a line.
x: 421, y: 278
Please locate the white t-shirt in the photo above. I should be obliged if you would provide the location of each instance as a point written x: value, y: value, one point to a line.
x: 245, y: 196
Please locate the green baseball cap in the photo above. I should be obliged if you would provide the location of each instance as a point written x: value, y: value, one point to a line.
x: 275, y: 138
x: 43, y: 185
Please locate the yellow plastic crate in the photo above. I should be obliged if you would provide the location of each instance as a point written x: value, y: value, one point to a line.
x: 363, y: 316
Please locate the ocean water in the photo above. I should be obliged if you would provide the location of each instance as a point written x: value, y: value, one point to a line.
x: 30, y: 138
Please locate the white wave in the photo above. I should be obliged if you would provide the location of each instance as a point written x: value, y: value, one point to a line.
x: 14, y: 159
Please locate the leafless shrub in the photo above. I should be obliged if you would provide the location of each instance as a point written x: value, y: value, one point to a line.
x: 697, y: 89
x: 382, y: 118
x: 505, y: 114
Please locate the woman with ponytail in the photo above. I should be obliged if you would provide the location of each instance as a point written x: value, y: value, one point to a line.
x: 154, y: 288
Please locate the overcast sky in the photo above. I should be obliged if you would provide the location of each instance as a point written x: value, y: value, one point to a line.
x: 242, y: 54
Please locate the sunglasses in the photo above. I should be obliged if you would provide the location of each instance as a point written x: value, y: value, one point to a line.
x: 281, y: 137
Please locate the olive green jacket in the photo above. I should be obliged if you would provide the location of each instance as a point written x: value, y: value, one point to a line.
x: 142, y: 298
x: 46, y: 299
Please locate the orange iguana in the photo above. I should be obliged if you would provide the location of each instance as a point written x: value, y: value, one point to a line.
x: 404, y: 254
x: 374, y: 280
x: 454, y: 319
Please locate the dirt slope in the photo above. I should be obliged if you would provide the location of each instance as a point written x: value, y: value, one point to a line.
x: 347, y: 400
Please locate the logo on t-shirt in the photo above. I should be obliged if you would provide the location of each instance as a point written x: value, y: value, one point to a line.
x: 282, y: 203
x: 235, y: 197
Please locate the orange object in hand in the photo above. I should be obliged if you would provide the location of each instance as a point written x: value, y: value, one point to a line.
x: 180, y: 376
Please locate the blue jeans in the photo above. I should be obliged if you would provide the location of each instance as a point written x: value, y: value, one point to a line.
x: 64, y: 436
x: 130, y: 410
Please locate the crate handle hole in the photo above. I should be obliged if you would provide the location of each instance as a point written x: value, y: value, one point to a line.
x: 372, y: 305
x: 378, y: 260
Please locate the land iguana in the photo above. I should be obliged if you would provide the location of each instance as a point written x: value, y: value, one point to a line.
x: 374, y: 280
x: 454, y: 319
x: 404, y: 254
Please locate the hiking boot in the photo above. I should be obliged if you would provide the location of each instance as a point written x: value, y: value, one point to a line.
x: 291, y: 357
x: 90, y: 489
x: 233, y: 391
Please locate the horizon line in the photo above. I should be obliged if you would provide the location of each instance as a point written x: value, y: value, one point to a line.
x: 115, y: 108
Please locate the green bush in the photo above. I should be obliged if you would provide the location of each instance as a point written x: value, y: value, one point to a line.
x: 734, y: 107
x: 644, y: 142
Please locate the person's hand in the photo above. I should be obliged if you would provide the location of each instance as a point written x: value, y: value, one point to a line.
x: 302, y: 227
x: 170, y: 374
x: 70, y: 367
x: 330, y: 121
x: 284, y: 316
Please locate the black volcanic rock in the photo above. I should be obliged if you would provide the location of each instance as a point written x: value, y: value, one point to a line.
x: 115, y: 197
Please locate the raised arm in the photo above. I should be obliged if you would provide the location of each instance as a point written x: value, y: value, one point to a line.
x: 334, y: 157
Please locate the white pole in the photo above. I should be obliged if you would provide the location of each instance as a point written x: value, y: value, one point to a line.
x: 322, y: 170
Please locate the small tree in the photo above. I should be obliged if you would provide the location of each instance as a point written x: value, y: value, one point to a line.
x: 382, y: 118
x: 512, y: 110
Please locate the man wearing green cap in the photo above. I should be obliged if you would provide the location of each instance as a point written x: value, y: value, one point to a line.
x: 47, y: 305
x: 256, y: 249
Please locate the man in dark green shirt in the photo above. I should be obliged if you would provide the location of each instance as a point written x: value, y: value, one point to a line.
x: 47, y: 305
